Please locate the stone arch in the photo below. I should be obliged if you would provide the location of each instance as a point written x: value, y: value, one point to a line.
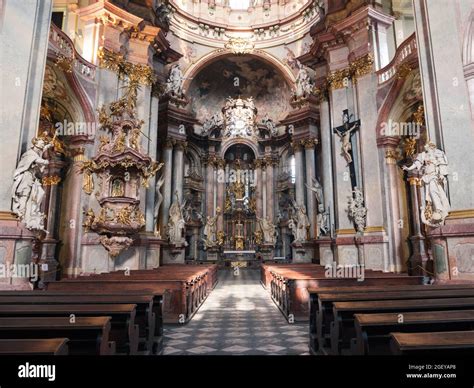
x: 248, y: 142
x: 217, y: 55
x: 194, y: 156
x: 468, y: 44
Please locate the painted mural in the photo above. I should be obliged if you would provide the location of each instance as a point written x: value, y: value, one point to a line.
x: 243, y: 76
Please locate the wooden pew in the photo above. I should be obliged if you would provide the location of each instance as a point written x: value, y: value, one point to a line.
x: 148, y: 314
x: 296, y: 297
x: 289, y: 284
x: 34, y: 347
x: 321, y: 302
x: 88, y: 335
x: 123, y: 329
x: 373, y: 330
x: 455, y: 343
x: 184, y: 287
x: 174, y: 292
x: 342, y: 328
x: 196, y: 283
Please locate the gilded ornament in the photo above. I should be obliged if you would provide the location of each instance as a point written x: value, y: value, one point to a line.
x: 239, y: 46
x: 52, y: 180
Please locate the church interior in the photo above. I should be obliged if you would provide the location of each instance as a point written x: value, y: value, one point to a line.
x: 237, y: 177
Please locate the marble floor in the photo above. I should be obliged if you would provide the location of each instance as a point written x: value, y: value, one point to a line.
x: 238, y: 318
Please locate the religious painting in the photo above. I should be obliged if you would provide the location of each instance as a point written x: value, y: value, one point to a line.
x: 244, y: 77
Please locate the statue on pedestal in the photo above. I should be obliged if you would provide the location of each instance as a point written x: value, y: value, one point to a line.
x: 323, y: 220
x: 304, y: 84
x: 210, y: 231
x: 174, y: 83
x: 268, y: 229
x: 28, y: 193
x: 434, y: 169
x: 176, y: 224
x: 300, y: 225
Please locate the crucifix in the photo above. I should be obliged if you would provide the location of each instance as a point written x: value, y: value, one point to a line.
x: 345, y: 132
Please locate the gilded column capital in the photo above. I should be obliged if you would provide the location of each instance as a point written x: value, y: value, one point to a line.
x: 169, y: 143
x: 391, y: 155
x: 339, y: 79
x: 362, y: 66
x: 309, y: 143
x: 77, y: 154
x: 259, y: 163
x: 414, y: 181
x: 296, y: 146
x: 220, y: 163
x: 51, y: 180
x: 180, y: 145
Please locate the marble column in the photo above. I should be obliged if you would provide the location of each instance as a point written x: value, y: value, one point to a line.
x: 326, y: 157
x: 209, y: 186
x: 167, y: 193
x: 259, y: 187
x: 393, y: 191
x: 264, y: 191
x: 152, y: 148
x: 311, y: 204
x: 299, y: 184
x: 419, y: 257
x: 220, y: 193
x: 23, y: 43
x: 178, y: 170
x: 51, y: 179
x: 71, y: 230
x: 270, y: 193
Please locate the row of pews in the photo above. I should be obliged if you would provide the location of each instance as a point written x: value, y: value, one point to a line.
x: 288, y: 285
x: 120, y: 312
x: 394, y: 319
x: 384, y: 314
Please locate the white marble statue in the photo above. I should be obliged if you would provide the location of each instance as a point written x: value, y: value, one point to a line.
x: 300, y: 224
x: 357, y: 210
x: 268, y: 122
x: 434, y: 169
x: 304, y: 84
x: 176, y: 224
x: 210, y: 237
x: 293, y: 227
x: 317, y: 190
x: 174, y: 83
x: 323, y: 220
x: 27, y: 192
x: 268, y: 229
x: 158, y: 198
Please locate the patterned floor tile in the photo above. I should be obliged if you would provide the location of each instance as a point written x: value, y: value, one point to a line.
x: 238, y: 318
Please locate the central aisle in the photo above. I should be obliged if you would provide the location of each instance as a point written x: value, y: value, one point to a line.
x: 238, y: 318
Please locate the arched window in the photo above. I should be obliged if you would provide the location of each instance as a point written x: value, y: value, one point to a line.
x: 239, y: 4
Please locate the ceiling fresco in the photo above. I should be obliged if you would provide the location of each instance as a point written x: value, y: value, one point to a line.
x: 243, y: 76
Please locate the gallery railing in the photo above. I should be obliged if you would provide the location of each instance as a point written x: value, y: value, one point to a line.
x: 404, y: 54
x: 64, y: 48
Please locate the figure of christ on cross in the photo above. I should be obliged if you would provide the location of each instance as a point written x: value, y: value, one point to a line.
x: 345, y: 132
